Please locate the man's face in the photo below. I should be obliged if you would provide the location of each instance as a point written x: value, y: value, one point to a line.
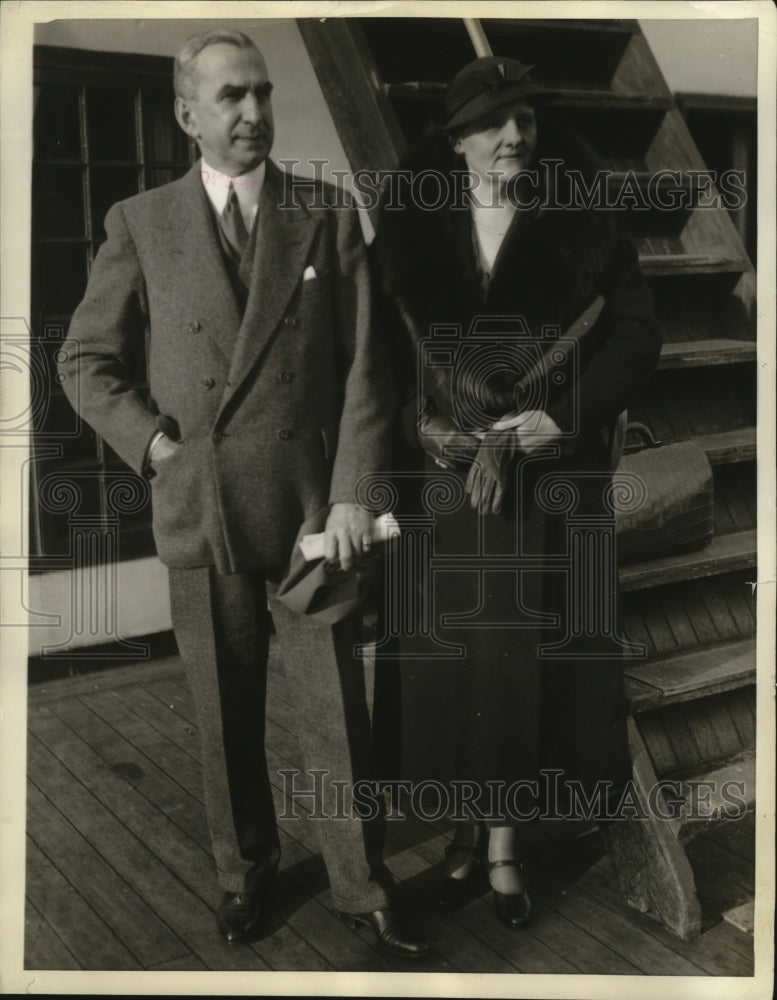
x: 229, y: 111
x: 500, y: 144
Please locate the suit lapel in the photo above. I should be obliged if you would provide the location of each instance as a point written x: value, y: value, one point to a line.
x: 187, y: 235
x: 283, y: 241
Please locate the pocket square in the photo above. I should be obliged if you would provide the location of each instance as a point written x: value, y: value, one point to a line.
x: 309, y: 272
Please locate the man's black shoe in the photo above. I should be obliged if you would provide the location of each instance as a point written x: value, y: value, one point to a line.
x: 393, y: 937
x: 238, y: 916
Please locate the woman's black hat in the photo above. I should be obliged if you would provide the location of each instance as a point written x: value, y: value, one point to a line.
x: 485, y: 84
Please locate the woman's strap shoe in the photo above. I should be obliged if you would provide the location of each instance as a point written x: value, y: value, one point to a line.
x: 449, y: 891
x: 513, y: 908
x: 393, y: 938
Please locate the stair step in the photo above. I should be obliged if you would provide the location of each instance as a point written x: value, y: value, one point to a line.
x: 698, y: 353
x: 688, y: 676
x: 414, y: 90
x: 719, y: 792
x: 576, y: 54
x: 698, y: 402
x: 646, y: 178
x: 694, y: 307
x: 742, y: 917
x: 644, y: 194
x: 610, y: 99
x: 564, y: 97
x: 724, y: 554
x: 692, y: 263
x: 728, y: 447
x: 716, y: 103
x: 529, y: 26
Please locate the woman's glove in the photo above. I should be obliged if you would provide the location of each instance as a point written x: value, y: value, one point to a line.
x: 521, y: 433
x: 487, y: 479
x: 441, y: 438
x: 533, y: 429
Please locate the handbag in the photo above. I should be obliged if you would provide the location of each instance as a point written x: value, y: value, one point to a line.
x: 677, y: 514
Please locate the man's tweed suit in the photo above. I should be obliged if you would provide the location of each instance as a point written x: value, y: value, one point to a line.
x: 278, y: 386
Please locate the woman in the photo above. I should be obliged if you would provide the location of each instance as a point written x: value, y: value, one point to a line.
x: 488, y: 234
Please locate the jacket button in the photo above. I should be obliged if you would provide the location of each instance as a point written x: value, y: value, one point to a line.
x: 291, y: 321
x: 206, y: 382
x: 217, y: 438
x: 194, y: 327
x: 285, y: 376
x: 284, y: 434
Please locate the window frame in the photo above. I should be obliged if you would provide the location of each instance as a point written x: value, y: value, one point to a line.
x: 89, y: 73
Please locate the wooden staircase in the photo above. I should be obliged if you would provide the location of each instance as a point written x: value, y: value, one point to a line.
x: 693, y: 699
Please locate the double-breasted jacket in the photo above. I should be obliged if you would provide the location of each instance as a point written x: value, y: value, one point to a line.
x: 280, y: 407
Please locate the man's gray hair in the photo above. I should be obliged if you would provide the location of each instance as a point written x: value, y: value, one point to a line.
x: 184, y: 67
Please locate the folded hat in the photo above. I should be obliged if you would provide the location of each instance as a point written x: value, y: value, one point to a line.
x: 322, y: 589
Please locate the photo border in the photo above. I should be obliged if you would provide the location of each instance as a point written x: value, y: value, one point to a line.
x: 17, y: 22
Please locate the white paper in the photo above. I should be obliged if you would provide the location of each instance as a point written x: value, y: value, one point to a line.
x: 383, y: 528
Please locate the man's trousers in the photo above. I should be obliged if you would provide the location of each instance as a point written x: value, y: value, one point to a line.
x: 223, y: 630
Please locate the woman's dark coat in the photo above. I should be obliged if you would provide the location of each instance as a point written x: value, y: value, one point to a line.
x: 502, y: 712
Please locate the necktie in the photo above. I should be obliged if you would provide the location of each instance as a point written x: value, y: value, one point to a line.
x: 232, y: 224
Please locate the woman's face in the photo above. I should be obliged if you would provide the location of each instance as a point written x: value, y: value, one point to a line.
x: 501, y: 144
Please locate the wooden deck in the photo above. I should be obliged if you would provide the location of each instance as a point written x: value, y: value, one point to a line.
x: 120, y: 875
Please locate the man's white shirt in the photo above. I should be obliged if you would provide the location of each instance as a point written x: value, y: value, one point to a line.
x: 248, y: 188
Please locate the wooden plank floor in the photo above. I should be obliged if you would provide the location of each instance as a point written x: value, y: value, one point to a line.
x: 120, y: 876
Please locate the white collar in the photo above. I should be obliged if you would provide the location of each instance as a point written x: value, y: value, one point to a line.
x: 495, y: 218
x: 248, y: 188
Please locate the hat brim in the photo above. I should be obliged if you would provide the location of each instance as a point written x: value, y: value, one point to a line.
x: 485, y: 103
x: 320, y: 591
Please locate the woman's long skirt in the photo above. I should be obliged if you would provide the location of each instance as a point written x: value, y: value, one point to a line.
x: 510, y: 679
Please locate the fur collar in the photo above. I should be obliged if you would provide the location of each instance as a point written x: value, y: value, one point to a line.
x: 548, y: 270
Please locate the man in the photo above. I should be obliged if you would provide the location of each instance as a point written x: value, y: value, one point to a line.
x: 268, y: 401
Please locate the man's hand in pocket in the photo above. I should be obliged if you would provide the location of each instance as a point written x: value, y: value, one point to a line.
x: 161, y: 448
